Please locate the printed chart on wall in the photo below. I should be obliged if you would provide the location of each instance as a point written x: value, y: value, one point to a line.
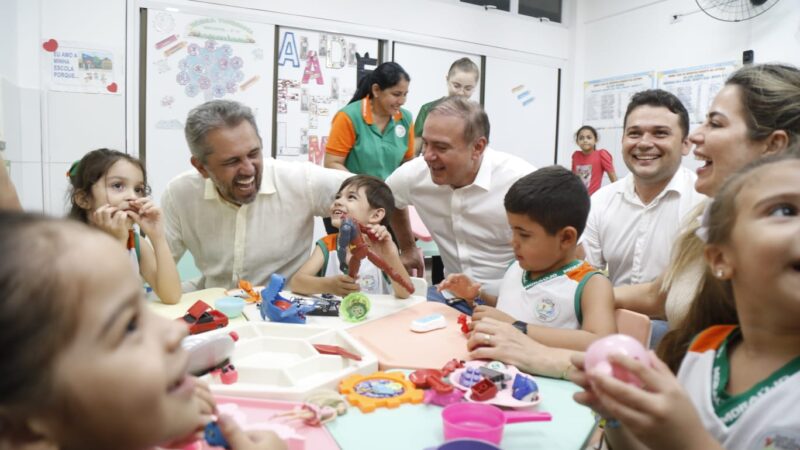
x: 317, y: 76
x: 604, y: 105
x: 696, y: 86
x: 192, y: 59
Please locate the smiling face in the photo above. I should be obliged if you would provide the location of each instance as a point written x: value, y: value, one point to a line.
x: 586, y: 140
x: 352, y: 201
x: 121, y: 184
x: 722, y: 141
x: 388, y: 101
x: 236, y: 163
x: 122, y: 378
x: 461, y: 83
x: 653, y: 144
x: 536, y: 250
x: 762, y: 255
x: 451, y: 160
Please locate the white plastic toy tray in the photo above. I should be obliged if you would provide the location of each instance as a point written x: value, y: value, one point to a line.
x: 278, y: 361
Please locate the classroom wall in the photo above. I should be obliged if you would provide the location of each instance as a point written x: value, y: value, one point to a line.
x: 618, y: 37
x: 48, y: 130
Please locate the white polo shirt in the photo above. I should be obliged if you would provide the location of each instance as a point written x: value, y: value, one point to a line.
x: 273, y: 234
x: 469, y: 224
x: 635, y: 239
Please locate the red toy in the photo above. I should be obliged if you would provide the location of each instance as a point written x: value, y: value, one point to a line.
x: 430, y: 378
x: 451, y: 366
x: 200, y: 317
x: 483, y: 390
x: 336, y: 350
x: 464, y: 321
x: 350, y: 237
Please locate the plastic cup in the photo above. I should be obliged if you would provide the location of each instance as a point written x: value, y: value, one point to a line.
x: 230, y: 306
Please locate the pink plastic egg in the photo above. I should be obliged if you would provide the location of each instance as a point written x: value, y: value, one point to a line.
x: 597, y: 357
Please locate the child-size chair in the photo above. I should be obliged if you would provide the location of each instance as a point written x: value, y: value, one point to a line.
x: 634, y: 324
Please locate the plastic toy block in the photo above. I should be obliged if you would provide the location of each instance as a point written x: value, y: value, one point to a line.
x: 470, y: 376
x: 483, y: 390
x: 523, y: 387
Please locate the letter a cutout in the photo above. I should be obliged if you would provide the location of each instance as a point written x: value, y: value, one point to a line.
x: 289, y: 51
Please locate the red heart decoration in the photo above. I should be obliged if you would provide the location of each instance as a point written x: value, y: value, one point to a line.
x: 51, y: 45
x: 112, y: 87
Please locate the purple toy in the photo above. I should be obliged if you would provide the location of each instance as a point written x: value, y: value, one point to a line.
x: 469, y: 376
x: 597, y: 357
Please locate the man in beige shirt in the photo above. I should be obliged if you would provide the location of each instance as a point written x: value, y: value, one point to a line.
x: 240, y: 214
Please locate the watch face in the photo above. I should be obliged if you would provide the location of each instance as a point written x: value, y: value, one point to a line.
x: 521, y: 326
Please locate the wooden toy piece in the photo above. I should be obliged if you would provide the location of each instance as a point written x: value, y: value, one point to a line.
x: 483, y: 390
x: 379, y: 389
x: 336, y: 350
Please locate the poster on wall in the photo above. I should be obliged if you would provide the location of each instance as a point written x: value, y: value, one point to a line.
x: 317, y: 76
x: 604, y: 105
x: 696, y: 86
x: 192, y: 59
x: 81, y: 67
x: 605, y: 101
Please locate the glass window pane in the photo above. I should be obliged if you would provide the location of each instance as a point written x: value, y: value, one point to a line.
x: 504, y: 5
x: 541, y: 8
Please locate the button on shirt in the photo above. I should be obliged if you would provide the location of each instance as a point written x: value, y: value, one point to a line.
x: 635, y: 239
x: 272, y: 234
x: 469, y: 224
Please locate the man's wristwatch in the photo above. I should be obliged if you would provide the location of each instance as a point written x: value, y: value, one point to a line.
x: 521, y: 326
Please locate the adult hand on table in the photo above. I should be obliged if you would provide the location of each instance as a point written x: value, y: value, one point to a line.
x: 495, y: 340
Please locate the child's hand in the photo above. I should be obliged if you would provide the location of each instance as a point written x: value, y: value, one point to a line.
x: 661, y: 414
x: 482, y: 312
x: 380, y: 239
x: 148, y: 216
x: 112, y: 220
x: 239, y: 439
x: 461, y: 286
x: 342, y: 285
x: 206, y: 408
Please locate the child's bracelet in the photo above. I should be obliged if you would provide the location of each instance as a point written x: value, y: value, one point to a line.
x: 566, y: 371
x: 608, y: 424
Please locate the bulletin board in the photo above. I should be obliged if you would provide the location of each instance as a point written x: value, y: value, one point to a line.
x: 428, y: 68
x: 316, y: 75
x: 604, y: 104
x: 696, y: 86
x: 190, y: 59
x: 526, y: 96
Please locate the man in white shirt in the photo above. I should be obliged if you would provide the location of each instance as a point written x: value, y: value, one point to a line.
x: 457, y: 187
x: 241, y: 215
x: 633, y: 224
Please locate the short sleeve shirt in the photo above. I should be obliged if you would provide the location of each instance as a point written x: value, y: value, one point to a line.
x: 367, y: 149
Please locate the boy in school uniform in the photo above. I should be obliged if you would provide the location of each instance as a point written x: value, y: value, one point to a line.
x: 368, y: 200
x: 547, y: 293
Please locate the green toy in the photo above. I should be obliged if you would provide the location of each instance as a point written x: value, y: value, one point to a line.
x: 354, y: 307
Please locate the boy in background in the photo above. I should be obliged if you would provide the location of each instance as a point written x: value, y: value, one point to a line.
x: 548, y: 294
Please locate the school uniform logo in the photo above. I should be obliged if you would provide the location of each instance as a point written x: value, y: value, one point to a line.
x: 400, y: 131
x: 546, y: 310
x: 778, y: 439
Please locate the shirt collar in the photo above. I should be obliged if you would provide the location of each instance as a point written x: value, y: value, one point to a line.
x: 366, y: 111
x: 674, y: 185
x: 484, y: 177
x: 267, y: 183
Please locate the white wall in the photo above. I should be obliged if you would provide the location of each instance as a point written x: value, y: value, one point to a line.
x: 617, y: 37
x: 48, y: 130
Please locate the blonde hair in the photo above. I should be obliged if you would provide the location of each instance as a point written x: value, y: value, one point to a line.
x: 714, y: 303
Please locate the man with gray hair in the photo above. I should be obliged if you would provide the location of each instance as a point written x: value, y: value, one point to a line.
x: 457, y: 187
x: 240, y: 214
